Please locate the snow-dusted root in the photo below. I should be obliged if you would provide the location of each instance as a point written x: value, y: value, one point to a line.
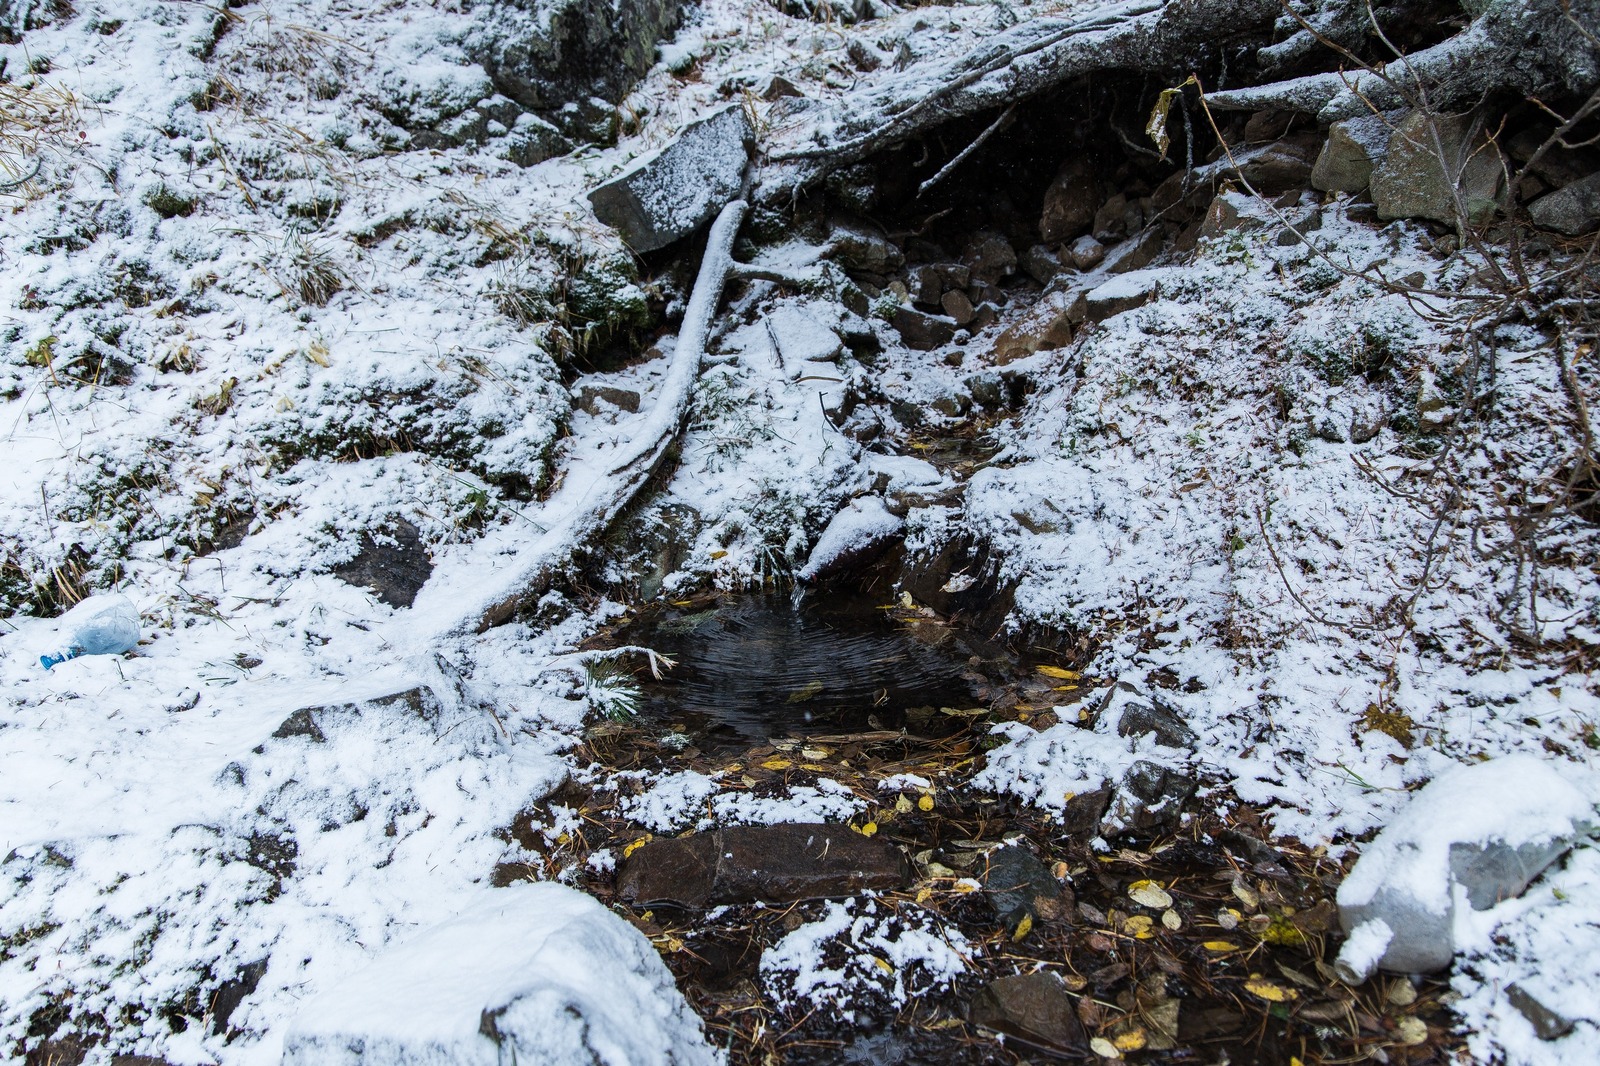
x: 615, y: 488
x: 1510, y: 45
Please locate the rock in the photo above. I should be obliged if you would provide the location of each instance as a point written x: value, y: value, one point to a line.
x: 1138, y: 715
x: 591, y: 397
x: 1041, y: 263
x: 1069, y: 202
x: 1411, y: 180
x: 528, y: 973
x: 1137, y: 253
x: 1281, y: 166
x: 1020, y: 886
x: 1573, y: 210
x: 923, y: 332
x: 855, y: 536
x: 1150, y: 795
x: 927, y: 284
x: 1224, y: 215
x: 314, y: 723
x: 778, y: 86
x: 1266, y: 126
x: 802, y: 339
x: 1354, y: 146
x: 1035, y: 1007
x: 1122, y: 293
x: 1547, y: 1024
x: 531, y: 141
x: 760, y: 864
x: 862, y: 55
x: 987, y: 389
x: 859, y: 248
x: 1480, y: 832
x: 665, y: 195
x: 990, y: 257
x: 546, y: 53
x: 1110, y: 221
x: 1087, y: 253
x: 957, y: 306
x: 1084, y: 811
x: 1046, y: 326
x: 392, y: 563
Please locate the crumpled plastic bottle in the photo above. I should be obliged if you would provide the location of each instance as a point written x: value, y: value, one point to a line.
x: 100, y: 625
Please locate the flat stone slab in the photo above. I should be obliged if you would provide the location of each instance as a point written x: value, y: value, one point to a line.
x: 529, y: 973
x: 760, y: 864
x: 1034, y: 1007
x: 666, y: 195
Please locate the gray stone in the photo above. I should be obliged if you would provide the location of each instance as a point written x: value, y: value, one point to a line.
x: 990, y: 257
x: 760, y: 864
x: 1069, y: 202
x: 1137, y: 253
x: 1110, y: 221
x: 1547, y: 1024
x: 1123, y: 293
x: 1087, y: 253
x: 592, y: 397
x: 1280, y: 167
x: 1020, y: 886
x: 529, y: 973
x: 957, y: 306
x: 314, y: 723
x: 1484, y: 830
x: 546, y: 53
x: 1041, y: 263
x: 666, y: 195
x: 1035, y: 1007
x: 1139, y: 715
x: 1425, y: 152
x: 1149, y: 796
x: 1573, y: 210
x: 927, y: 284
x: 391, y: 562
x: 921, y: 331
x: 1353, y: 148
x: 860, y: 248
x: 1047, y: 325
x: 530, y: 141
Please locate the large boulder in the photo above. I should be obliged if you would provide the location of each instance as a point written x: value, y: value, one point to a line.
x: 547, y: 53
x: 665, y: 195
x: 1430, y: 160
x: 1476, y: 835
x: 530, y: 973
x: 1353, y: 148
x: 1573, y: 210
x: 1069, y: 202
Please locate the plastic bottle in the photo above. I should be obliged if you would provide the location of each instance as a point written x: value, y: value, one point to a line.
x: 100, y: 625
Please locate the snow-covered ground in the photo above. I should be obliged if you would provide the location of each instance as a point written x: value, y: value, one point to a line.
x: 233, y: 299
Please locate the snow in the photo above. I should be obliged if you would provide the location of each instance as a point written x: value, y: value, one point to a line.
x: 886, y: 956
x: 863, y: 524
x: 1184, y: 487
x: 549, y: 970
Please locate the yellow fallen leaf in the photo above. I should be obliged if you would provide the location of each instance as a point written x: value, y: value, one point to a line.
x: 564, y: 838
x: 883, y: 964
x: 814, y: 767
x: 868, y: 829
x: 1059, y: 673
x: 903, y: 805
x: 1132, y: 1040
x: 1267, y: 990
x: 1150, y: 894
x: 945, y: 1023
x: 1059, y: 870
x: 1220, y: 946
x: 776, y: 764
x: 925, y: 803
x: 924, y: 894
x: 1139, y: 927
x: 1104, y: 1048
x: 719, y: 555
x: 635, y: 846
x: 1024, y: 927
x: 815, y: 754
x: 966, y: 885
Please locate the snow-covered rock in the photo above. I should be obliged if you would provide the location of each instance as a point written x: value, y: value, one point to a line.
x: 531, y: 973
x: 855, y: 533
x: 667, y: 194
x: 1472, y: 838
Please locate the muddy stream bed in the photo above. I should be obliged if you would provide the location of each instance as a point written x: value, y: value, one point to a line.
x: 958, y: 927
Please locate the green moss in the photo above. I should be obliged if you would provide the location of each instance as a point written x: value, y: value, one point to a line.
x: 168, y: 203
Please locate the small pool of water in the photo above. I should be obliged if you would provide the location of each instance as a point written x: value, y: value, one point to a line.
x: 751, y: 667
